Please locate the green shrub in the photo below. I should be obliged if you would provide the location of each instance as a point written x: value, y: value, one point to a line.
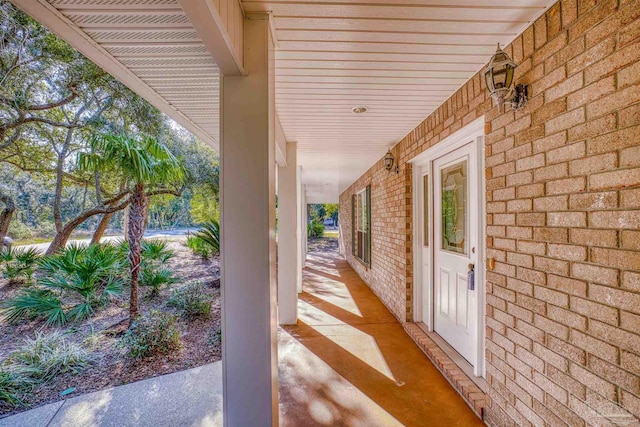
x: 156, y: 333
x: 315, y: 229
x: 156, y: 278
x: 210, y: 234
x: 44, y: 357
x: 199, y: 247
x: 75, y: 282
x: 18, y: 230
x: 214, y: 338
x: 19, y: 263
x: 192, y: 299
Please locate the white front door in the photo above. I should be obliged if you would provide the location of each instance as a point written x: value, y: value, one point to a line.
x: 455, y: 247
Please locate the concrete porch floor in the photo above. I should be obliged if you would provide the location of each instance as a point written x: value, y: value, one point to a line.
x: 347, y: 362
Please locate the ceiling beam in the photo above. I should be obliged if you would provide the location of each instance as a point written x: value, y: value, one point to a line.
x: 213, y: 30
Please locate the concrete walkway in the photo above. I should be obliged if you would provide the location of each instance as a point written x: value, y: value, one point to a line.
x: 187, y: 398
x: 347, y: 362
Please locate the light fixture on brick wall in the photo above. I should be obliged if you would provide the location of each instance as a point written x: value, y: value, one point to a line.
x: 389, y: 160
x: 499, y: 78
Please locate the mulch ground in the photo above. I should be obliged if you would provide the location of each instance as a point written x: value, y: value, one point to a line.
x: 101, y: 334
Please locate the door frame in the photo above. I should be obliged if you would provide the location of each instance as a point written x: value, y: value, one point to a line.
x: 423, y: 289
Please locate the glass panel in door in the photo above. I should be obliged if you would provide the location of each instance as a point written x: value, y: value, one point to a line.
x: 455, y: 236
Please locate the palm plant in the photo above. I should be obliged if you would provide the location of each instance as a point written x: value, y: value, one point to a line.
x: 19, y: 263
x: 210, y: 234
x: 142, y: 162
x: 199, y: 246
x: 154, y: 274
x: 155, y: 278
x: 75, y: 282
x: 156, y: 250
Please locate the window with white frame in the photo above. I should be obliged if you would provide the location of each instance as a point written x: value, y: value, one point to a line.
x: 361, y: 225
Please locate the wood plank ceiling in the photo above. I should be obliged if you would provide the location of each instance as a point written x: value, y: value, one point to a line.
x: 400, y: 59
x: 155, y: 40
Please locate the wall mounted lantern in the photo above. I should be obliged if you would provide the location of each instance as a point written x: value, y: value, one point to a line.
x: 389, y: 161
x: 499, y: 78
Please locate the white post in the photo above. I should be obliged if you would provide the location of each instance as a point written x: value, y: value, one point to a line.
x: 249, y: 324
x: 288, y: 237
x: 303, y: 230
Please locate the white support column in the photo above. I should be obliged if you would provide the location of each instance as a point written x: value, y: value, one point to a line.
x: 303, y: 226
x: 302, y: 231
x: 249, y: 324
x: 288, y: 237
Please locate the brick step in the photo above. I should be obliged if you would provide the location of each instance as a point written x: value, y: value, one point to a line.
x: 470, y: 392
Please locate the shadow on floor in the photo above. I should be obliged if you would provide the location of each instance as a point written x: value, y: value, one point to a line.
x: 348, y: 362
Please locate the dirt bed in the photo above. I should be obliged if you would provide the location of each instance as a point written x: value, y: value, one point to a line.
x: 101, y: 335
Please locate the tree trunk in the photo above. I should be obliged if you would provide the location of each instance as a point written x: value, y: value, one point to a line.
x: 125, y: 223
x: 57, y: 200
x: 61, y: 238
x: 102, y: 226
x: 5, y: 216
x: 138, y: 209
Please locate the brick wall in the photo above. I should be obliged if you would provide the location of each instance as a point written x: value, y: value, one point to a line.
x: 563, y: 214
x: 389, y: 275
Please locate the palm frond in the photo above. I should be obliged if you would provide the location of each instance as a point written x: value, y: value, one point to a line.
x: 35, y: 302
x: 210, y: 234
x: 156, y: 250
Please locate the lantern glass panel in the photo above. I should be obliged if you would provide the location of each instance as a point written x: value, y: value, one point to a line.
x: 509, y: 76
x: 488, y: 78
x: 500, y: 77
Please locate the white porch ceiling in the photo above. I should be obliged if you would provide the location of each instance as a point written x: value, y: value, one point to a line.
x: 401, y: 59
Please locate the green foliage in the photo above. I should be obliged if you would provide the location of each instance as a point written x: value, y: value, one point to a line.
x: 38, y: 361
x: 156, y: 251
x: 214, y: 338
x: 46, y: 356
x: 35, y: 303
x: 19, y: 264
x: 192, y: 299
x: 322, y: 212
x: 315, y: 229
x: 154, y: 274
x: 137, y: 159
x: 18, y: 230
x: 199, y: 247
x: 13, y: 386
x: 76, y: 281
x: 156, y: 333
x: 204, y: 206
x: 210, y: 234
x: 156, y: 278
